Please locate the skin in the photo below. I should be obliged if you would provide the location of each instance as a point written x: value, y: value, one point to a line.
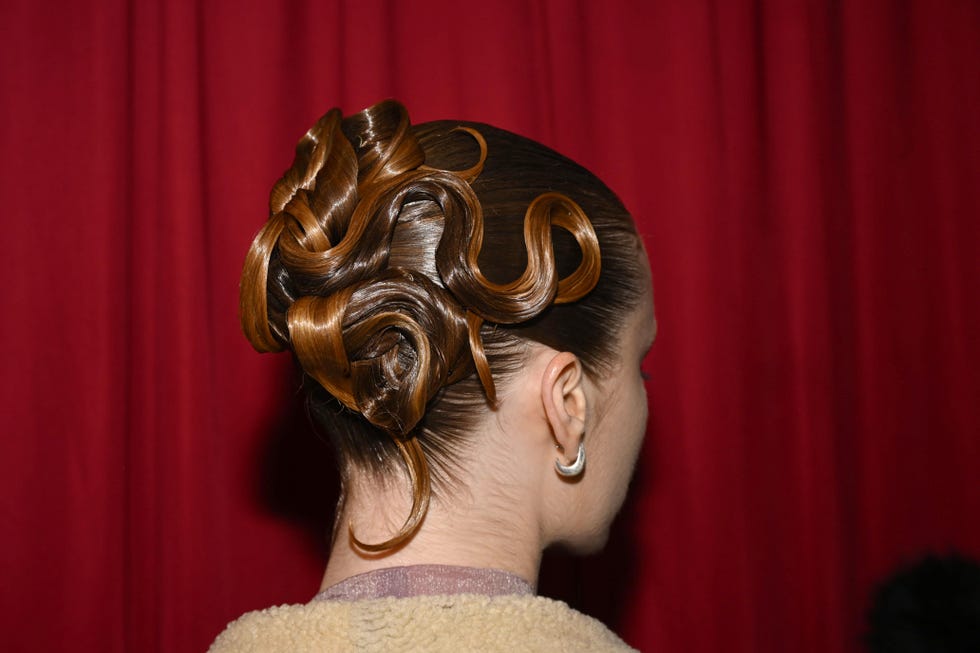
x: 512, y: 504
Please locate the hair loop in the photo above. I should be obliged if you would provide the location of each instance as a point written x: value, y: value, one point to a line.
x: 311, y: 153
x: 253, y: 293
x: 467, y: 174
x: 386, y: 146
x: 536, y: 288
x: 303, y: 226
x: 315, y: 330
x: 563, y: 212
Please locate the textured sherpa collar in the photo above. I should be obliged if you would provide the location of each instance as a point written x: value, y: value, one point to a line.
x: 422, y: 623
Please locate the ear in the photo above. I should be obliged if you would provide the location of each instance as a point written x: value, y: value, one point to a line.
x: 564, y: 401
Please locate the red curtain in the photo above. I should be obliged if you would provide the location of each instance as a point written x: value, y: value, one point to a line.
x: 806, y: 177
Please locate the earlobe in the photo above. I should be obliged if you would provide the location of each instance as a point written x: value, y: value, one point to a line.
x: 564, y: 401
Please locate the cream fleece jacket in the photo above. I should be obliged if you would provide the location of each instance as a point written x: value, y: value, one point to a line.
x: 422, y: 623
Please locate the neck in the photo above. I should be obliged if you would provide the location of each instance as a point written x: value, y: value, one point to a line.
x: 472, y: 528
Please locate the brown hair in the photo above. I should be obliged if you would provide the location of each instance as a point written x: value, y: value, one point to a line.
x: 407, y: 266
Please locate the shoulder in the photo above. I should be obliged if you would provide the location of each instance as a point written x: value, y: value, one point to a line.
x: 430, y: 623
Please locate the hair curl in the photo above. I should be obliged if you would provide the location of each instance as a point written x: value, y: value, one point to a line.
x: 406, y: 268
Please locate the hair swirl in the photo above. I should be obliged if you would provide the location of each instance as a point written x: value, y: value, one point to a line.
x: 383, y: 347
x: 386, y: 334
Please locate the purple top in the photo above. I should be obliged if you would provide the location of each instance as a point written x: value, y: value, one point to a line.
x: 425, y: 580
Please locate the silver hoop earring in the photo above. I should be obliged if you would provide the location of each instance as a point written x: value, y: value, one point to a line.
x: 576, y: 467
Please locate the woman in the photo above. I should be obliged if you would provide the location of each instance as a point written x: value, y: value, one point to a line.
x: 472, y: 310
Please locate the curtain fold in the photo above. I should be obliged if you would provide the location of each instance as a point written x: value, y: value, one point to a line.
x: 806, y: 177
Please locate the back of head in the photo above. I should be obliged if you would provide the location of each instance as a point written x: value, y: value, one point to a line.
x: 408, y: 267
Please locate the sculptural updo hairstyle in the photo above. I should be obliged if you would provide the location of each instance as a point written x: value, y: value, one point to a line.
x: 408, y: 266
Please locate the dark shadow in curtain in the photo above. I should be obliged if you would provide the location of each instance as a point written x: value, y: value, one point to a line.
x: 297, y: 477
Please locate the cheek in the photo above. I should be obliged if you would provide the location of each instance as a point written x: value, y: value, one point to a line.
x: 630, y: 432
x: 639, y: 408
x: 635, y: 425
